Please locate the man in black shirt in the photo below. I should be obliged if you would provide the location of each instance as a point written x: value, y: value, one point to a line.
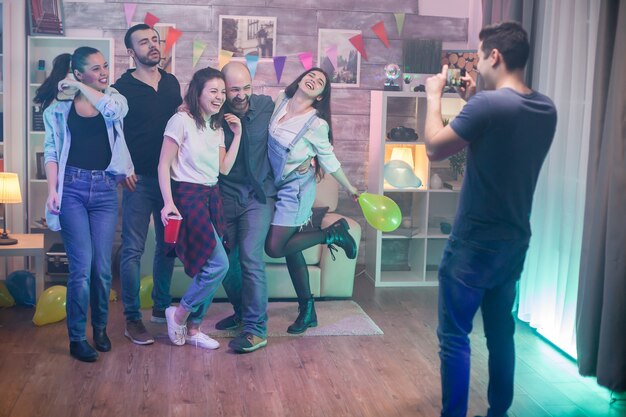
x: 248, y: 199
x: 153, y: 97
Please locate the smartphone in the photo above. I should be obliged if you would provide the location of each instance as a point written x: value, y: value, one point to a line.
x: 453, y: 78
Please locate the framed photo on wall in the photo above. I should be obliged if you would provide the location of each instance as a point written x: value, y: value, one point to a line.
x: 248, y: 35
x: 167, y: 60
x: 347, y: 72
x: 46, y: 17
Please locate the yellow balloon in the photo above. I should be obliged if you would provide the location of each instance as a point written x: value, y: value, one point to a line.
x: 51, y: 306
x: 6, y: 299
x: 381, y: 212
x: 113, y: 295
x: 145, y: 292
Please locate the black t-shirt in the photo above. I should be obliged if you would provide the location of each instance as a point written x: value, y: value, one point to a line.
x: 148, y: 114
x: 89, y: 148
x: 509, y: 135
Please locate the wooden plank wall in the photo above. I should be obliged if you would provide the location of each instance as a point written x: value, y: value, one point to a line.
x: 297, y: 28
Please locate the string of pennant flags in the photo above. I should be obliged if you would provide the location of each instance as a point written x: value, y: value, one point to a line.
x: 306, y: 57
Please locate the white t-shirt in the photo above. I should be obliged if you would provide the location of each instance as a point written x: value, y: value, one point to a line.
x: 198, y: 158
x: 314, y: 142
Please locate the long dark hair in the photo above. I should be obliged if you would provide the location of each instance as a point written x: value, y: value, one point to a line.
x: 61, y: 66
x: 321, y: 106
x: 192, y: 98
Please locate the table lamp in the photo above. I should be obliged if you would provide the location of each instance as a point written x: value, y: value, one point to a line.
x: 9, y: 194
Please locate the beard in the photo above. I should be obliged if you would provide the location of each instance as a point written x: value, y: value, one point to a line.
x: 239, y: 106
x: 149, y: 61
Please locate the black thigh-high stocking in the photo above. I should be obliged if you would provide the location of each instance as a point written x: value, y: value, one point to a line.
x: 299, y: 275
x: 284, y: 240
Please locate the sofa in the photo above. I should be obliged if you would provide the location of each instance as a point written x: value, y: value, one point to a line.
x: 329, y: 278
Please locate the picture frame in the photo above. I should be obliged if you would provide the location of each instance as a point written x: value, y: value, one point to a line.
x: 46, y: 17
x: 348, y: 73
x: 168, y: 60
x: 247, y: 35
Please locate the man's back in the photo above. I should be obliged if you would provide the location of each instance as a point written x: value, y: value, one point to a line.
x: 509, y: 134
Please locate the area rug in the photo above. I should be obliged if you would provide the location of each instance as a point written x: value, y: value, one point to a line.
x: 334, y: 318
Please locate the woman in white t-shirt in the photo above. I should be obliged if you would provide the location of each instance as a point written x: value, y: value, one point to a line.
x: 299, y: 130
x: 192, y: 156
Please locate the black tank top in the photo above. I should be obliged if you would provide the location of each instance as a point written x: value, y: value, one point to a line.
x: 90, y: 147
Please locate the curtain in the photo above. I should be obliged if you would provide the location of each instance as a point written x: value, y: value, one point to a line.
x: 601, y: 308
x: 564, y: 58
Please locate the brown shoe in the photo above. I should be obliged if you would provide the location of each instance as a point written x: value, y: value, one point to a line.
x: 137, y: 333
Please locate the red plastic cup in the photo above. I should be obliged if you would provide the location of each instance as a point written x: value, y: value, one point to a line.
x: 172, y: 228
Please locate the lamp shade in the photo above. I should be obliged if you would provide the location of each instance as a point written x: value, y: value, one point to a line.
x: 10, y: 188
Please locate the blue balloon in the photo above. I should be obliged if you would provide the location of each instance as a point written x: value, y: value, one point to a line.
x: 21, y: 285
x: 401, y: 175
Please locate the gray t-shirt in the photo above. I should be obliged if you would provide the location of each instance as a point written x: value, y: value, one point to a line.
x: 509, y: 135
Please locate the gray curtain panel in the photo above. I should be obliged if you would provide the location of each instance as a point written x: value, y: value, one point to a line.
x: 601, y: 308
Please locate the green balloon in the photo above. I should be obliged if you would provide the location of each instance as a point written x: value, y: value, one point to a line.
x: 6, y: 299
x: 145, y: 292
x: 381, y: 212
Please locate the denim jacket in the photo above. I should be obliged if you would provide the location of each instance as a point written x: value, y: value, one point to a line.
x: 57, y: 142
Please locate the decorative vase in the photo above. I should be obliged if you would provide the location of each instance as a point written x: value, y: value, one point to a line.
x: 435, y: 182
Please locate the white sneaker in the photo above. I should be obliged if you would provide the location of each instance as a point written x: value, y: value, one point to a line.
x: 202, y: 340
x: 175, y: 331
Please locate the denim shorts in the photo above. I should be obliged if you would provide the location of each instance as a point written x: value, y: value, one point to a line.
x: 294, y: 199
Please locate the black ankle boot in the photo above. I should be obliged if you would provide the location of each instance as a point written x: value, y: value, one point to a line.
x: 101, y: 340
x: 83, y: 351
x: 306, y: 317
x: 337, y: 234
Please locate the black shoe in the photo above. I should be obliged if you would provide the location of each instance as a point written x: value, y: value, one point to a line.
x: 337, y: 234
x: 306, y: 317
x: 231, y: 322
x: 101, y: 340
x: 83, y: 351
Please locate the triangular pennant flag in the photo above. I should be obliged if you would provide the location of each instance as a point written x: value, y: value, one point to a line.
x: 399, y: 22
x: 251, y: 62
x: 170, y: 39
x: 150, y: 19
x: 129, y: 11
x: 357, y: 41
x: 224, y: 58
x: 198, y: 48
x: 331, y: 54
x: 279, y: 65
x: 306, y: 58
x: 379, y: 30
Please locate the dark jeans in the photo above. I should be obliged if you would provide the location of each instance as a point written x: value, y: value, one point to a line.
x: 246, y: 283
x: 137, y: 207
x: 88, y: 217
x: 475, y: 275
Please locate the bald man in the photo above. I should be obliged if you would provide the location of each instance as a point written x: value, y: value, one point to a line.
x: 248, y: 194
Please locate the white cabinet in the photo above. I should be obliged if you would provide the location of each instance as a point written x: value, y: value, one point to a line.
x: 41, y: 52
x: 410, y: 255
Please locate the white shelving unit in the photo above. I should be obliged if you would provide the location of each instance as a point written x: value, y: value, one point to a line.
x: 47, y: 48
x: 410, y: 255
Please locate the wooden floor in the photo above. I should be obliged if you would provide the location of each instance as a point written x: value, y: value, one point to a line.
x: 385, y: 376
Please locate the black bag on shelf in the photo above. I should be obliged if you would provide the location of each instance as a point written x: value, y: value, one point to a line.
x: 402, y: 134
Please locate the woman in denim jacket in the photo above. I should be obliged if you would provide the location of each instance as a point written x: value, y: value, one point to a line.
x: 85, y: 156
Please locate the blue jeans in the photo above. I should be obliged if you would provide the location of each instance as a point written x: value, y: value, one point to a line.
x: 199, y: 295
x: 475, y: 275
x: 88, y: 217
x: 137, y: 207
x: 246, y: 283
